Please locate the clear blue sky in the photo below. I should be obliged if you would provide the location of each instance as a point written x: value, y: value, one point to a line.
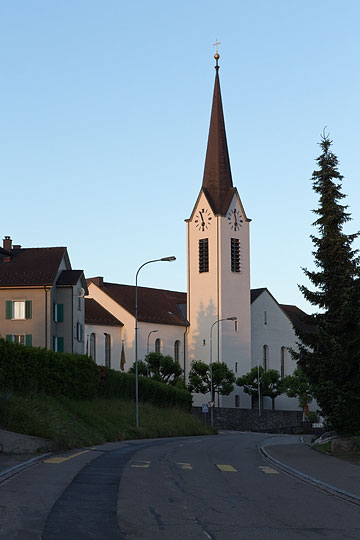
x: 105, y: 110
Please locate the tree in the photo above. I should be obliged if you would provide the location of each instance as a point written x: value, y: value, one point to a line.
x: 272, y: 385
x: 330, y: 354
x: 270, y: 382
x: 160, y: 368
x: 200, y: 378
x: 297, y: 385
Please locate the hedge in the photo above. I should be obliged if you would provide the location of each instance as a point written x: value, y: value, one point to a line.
x: 114, y: 384
x: 31, y: 369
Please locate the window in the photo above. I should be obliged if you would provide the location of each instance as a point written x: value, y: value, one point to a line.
x: 265, y: 317
x: 236, y: 367
x: 282, y: 362
x: 235, y: 255
x: 93, y: 346
x: 157, y: 345
x: 79, y: 331
x: 203, y: 255
x: 18, y: 309
x: 108, y: 350
x: 177, y: 351
x: 58, y: 344
x: 237, y: 400
x: 58, y: 312
x: 24, y: 339
x: 265, y: 357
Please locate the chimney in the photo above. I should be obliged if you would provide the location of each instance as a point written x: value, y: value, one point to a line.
x: 17, y: 246
x: 7, y: 243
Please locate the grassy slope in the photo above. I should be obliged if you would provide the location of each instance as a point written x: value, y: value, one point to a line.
x: 73, y: 424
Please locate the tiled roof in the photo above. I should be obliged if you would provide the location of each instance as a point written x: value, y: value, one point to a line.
x: 297, y: 317
x: 154, y: 305
x: 32, y: 267
x: 69, y: 277
x: 96, y: 314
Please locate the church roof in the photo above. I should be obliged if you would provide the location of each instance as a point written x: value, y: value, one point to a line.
x: 297, y: 317
x: 217, y: 181
x: 154, y: 305
x: 97, y: 314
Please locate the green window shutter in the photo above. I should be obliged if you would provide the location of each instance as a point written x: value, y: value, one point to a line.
x: 54, y: 311
x: 8, y: 309
x: 28, y: 340
x: 60, y: 344
x: 9, y: 337
x: 60, y: 312
x: 54, y: 343
x: 28, y: 309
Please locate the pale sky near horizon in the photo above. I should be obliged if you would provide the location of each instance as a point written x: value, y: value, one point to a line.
x: 105, y: 110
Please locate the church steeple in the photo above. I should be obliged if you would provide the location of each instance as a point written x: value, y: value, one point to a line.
x: 217, y: 182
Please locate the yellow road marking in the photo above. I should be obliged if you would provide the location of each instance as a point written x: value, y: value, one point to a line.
x: 269, y: 470
x: 141, y: 464
x: 184, y: 465
x: 226, y: 468
x: 62, y: 459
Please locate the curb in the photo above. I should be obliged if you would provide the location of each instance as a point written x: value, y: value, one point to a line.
x: 310, y: 479
x: 17, y: 469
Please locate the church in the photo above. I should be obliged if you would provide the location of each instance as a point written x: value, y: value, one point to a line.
x: 219, y: 318
x: 45, y: 303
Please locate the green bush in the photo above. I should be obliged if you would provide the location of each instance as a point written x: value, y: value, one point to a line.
x: 40, y: 371
x: 114, y: 384
x: 31, y: 369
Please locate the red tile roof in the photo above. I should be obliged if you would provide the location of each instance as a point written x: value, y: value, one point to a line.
x: 69, y: 277
x: 32, y: 266
x: 154, y: 305
x: 96, y: 314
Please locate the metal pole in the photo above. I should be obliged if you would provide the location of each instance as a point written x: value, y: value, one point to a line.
x: 259, y: 392
x: 211, y: 367
x: 168, y: 259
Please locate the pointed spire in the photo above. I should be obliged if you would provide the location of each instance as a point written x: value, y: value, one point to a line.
x: 217, y: 181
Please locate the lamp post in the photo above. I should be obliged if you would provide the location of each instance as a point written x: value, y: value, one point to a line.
x: 211, y: 369
x: 163, y: 259
x: 147, y: 347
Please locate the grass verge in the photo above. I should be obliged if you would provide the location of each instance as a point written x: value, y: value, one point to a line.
x: 73, y: 424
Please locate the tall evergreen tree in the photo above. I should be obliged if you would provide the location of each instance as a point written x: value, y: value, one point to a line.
x: 330, y: 354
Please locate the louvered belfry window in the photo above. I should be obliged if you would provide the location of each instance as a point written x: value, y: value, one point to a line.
x: 203, y: 255
x: 235, y: 255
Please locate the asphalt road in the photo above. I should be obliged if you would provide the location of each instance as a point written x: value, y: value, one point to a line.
x: 194, y: 488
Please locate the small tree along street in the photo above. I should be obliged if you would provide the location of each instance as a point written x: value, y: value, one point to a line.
x: 270, y: 382
x: 159, y: 367
x: 200, y: 378
x: 298, y: 386
x: 330, y: 355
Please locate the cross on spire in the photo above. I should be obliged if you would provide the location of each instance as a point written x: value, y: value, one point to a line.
x: 217, y: 55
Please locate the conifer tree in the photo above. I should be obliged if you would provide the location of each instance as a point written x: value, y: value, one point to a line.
x: 330, y: 353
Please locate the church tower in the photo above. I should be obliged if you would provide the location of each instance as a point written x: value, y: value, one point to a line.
x: 218, y: 264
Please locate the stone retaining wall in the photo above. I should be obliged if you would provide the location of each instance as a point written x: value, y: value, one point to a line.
x: 249, y: 420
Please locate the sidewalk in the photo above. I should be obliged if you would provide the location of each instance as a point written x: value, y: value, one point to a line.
x: 337, y: 475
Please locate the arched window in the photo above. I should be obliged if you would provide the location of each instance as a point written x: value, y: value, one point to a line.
x: 283, y: 362
x: 177, y: 351
x: 157, y: 345
x: 237, y: 400
x: 265, y: 357
x: 236, y: 367
x: 108, y: 350
x: 93, y: 346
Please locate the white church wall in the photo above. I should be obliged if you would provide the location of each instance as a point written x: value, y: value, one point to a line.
x: 115, y: 333
x: 270, y: 327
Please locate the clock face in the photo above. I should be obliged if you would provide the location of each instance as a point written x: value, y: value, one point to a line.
x: 235, y: 219
x: 203, y: 219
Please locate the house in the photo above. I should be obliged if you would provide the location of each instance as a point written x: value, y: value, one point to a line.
x: 41, y: 298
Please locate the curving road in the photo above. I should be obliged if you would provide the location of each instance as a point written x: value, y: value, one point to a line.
x: 194, y: 488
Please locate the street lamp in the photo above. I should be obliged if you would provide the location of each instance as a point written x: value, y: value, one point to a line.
x: 163, y: 259
x: 147, y: 348
x: 211, y: 370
